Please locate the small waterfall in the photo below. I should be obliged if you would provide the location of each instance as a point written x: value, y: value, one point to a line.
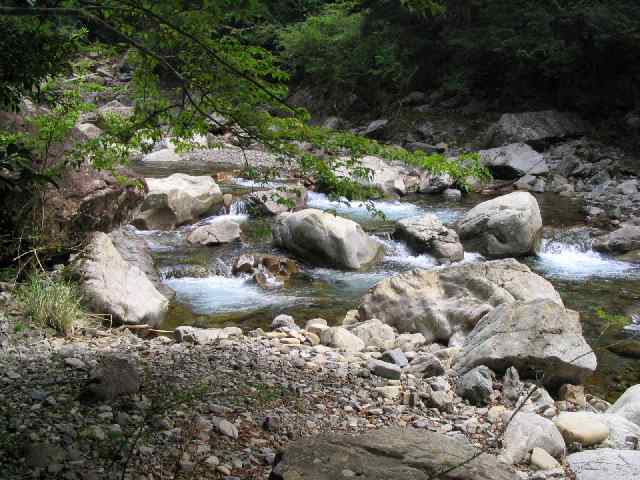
x: 237, y: 208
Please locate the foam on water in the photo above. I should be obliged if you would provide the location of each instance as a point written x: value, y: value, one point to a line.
x: 574, y: 261
x: 248, y: 183
x: 222, y: 294
x: 393, y: 210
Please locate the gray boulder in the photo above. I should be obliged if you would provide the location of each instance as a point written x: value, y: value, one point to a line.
x: 623, y: 240
x: 392, y: 453
x: 176, y: 200
x: 537, y: 337
x: 341, y: 339
x: 605, y: 463
x: 527, y: 431
x: 628, y: 405
x: 535, y: 128
x: 218, y: 231
x: 506, y: 226
x: 275, y: 202
x: 513, y: 161
x: 113, y: 286
x: 476, y: 386
x: 426, y: 365
x: 325, y: 239
x: 439, y: 303
x: 115, y: 375
x: 426, y: 234
x: 384, y: 369
x: 374, y: 333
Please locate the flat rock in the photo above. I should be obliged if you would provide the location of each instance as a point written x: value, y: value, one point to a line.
x: 218, y: 231
x: 513, y: 161
x: 426, y: 234
x: 582, y: 428
x: 605, y: 464
x: 393, y: 453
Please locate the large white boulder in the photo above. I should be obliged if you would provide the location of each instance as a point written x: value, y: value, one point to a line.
x: 605, y: 464
x: 220, y: 230
x: 113, y: 286
x: 506, y: 226
x: 325, y: 239
x: 441, y: 303
x: 528, y: 431
x: 176, y: 200
x: 628, y: 405
x: 540, y: 338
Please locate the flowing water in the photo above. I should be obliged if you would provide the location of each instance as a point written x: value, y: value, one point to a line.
x: 586, y: 280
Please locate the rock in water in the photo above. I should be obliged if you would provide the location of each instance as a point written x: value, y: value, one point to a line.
x: 426, y: 234
x: 275, y: 202
x: 506, y: 226
x: 623, y: 240
x: 438, y: 303
x: 513, y: 161
x: 535, y: 128
x: 176, y: 200
x: 327, y: 240
x: 605, y: 464
x: 220, y: 230
x: 536, y: 337
x: 113, y: 286
x: 393, y: 453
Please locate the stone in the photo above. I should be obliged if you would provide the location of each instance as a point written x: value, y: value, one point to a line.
x: 513, y: 161
x: 541, y: 460
x: 284, y: 321
x: 527, y: 431
x: 218, y: 231
x: 426, y: 234
x: 115, y: 375
x: 395, y: 356
x: 376, y: 129
x: 440, y: 302
x: 623, y: 240
x: 452, y: 194
x: 390, y: 179
x: 225, y: 427
x: 204, y: 336
x: 409, y: 342
x: 582, y: 428
x: 476, y: 386
x: 506, y: 226
x: 426, y: 365
x: 342, y: 339
x: 623, y: 434
x: 275, y: 202
x: 628, y: 405
x: 374, y: 333
x: 89, y: 130
x: 113, y: 108
x: 535, y: 128
x: 629, y: 187
x: 316, y: 325
x: 573, y: 394
x: 531, y: 183
x: 176, y: 200
x: 511, y: 386
x: 605, y: 463
x: 407, y: 453
x: 539, y: 338
x: 384, y: 369
x: 135, y: 251
x: 111, y: 285
x: 435, y: 183
x: 326, y: 240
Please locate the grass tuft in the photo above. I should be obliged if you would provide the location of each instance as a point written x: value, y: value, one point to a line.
x: 50, y: 302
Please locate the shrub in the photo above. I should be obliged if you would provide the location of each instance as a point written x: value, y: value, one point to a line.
x: 50, y: 302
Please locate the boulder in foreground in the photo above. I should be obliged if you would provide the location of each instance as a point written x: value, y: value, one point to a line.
x: 393, y: 453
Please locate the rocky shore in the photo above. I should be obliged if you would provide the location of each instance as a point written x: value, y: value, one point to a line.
x: 220, y: 403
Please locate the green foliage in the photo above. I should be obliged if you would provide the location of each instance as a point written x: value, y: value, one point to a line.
x: 51, y: 303
x: 331, y: 48
x: 611, y: 320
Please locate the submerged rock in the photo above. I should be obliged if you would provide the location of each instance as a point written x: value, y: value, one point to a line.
x: 220, y: 230
x: 176, y: 200
x: 392, y: 453
x: 539, y: 338
x: 113, y: 286
x: 326, y: 240
x: 439, y: 303
x: 426, y: 234
x: 505, y: 226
